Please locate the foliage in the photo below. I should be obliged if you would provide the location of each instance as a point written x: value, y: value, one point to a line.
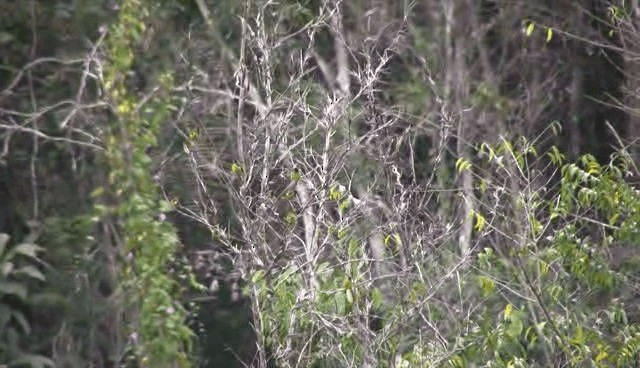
x: 377, y: 177
x: 18, y: 269
x: 555, y: 283
x: 150, y: 242
x: 551, y: 295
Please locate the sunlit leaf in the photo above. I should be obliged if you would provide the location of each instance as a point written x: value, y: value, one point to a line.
x: 236, y: 169
x: 508, y: 311
x: 480, y: 221
x: 602, y: 355
x: 530, y: 29
x: 462, y: 164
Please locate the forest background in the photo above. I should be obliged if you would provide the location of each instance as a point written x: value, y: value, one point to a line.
x: 319, y: 183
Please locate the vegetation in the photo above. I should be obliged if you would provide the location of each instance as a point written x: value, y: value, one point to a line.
x: 302, y: 183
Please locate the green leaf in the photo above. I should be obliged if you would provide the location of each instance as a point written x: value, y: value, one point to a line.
x: 354, y: 249
x: 166, y: 206
x: 457, y: 362
x: 4, y: 240
x: 324, y: 270
x: 346, y: 283
x: 34, y: 361
x: 344, y: 205
x: 49, y: 299
x: 341, y: 302
x: 236, y: 169
x: 549, y: 35
x: 295, y: 176
x: 349, y: 296
x: 602, y: 355
x: 5, y: 316
x: 6, y: 37
x: 285, y: 276
x: 291, y: 218
x: 508, y: 311
x: 13, y: 288
x: 483, y: 186
x: 554, y: 292
x: 342, y: 233
x: 22, y: 321
x: 376, y: 298
x: 531, y: 336
x: 6, y: 268
x: 578, y: 337
x: 97, y: 192
x: 480, y: 221
x: 462, y: 164
x: 514, y: 328
x: 30, y: 271
x: 486, y: 284
x: 27, y: 249
x: 335, y: 193
x: 530, y: 29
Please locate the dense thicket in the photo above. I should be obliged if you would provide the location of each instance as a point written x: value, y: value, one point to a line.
x: 319, y: 183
